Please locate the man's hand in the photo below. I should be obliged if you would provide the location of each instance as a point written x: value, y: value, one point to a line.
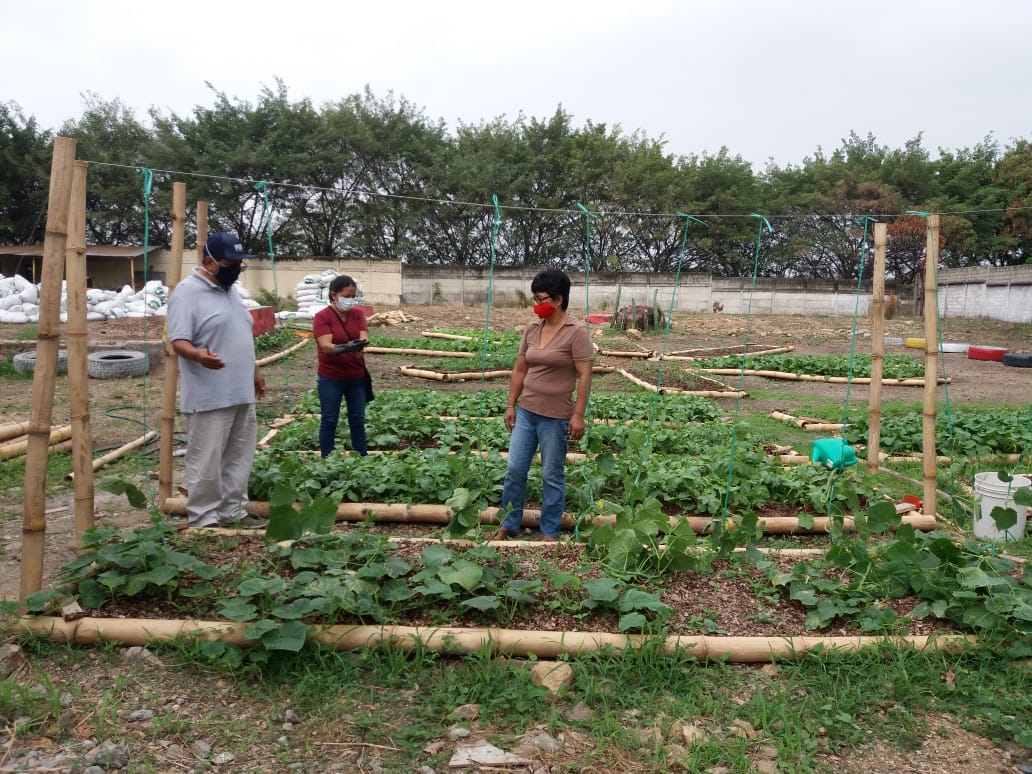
x: 209, y: 359
x: 259, y: 383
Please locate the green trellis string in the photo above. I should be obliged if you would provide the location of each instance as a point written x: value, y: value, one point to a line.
x: 263, y: 187
x: 865, y: 219
x: 764, y: 223
x: 646, y: 448
x: 481, y: 411
x: 148, y: 184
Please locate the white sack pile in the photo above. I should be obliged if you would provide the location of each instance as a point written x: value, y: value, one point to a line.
x: 19, y: 301
x: 313, y: 295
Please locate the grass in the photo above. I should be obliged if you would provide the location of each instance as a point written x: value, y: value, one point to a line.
x: 391, y: 705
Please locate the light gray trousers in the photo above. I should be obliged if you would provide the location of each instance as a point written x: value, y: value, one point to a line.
x: 219, y: 452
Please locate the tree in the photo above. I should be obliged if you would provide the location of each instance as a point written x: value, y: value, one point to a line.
x: 117, y: 145
x: 25, y: 153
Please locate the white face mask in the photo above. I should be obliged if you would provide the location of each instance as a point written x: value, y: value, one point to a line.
x: 345, y: 303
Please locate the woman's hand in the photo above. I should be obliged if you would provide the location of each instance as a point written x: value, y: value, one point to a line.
x: 510, y: 418
x: 576, y: 427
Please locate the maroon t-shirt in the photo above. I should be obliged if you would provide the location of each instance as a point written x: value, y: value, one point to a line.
x: 349, y: 365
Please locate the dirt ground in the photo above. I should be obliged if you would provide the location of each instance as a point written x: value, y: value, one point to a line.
x: 121, y: 409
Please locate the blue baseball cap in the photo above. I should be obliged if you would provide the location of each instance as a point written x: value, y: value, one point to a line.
x: 225, y: 245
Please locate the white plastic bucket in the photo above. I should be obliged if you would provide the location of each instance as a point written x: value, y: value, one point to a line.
x: 991, y: 492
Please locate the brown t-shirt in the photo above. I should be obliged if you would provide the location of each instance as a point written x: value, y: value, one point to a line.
x: 551, y: 374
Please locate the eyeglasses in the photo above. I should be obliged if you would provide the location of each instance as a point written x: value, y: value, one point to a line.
x: 540, y: 299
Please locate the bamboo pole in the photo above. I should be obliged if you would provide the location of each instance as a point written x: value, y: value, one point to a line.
x: 78, y: 339
x: 202, y: 230
x: 280, y: 355
x: 931, y: 312
x: 34, y: 523
x: 171, y: 386
x: 874, y: 399
x: 450, y: 640
x: 21, y: 446
x: 7, y: 432
x: 121, y: 451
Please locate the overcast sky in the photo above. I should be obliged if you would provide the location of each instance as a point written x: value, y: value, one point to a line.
x: 766, y: 79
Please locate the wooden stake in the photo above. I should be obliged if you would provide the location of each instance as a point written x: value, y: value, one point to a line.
x: 881, y: 231
x: 78, y: 340
x: 168, y: 401
x: 34, y: 522
x: 202, y: 230
x: 931, y: 317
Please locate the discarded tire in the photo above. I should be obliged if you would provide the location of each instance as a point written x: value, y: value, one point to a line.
x: 893, y: 341
x: 116, y: 364
x: 915, y: 343
x: 986, y: 353
x: 1018, y: 360
x: 949, y: 347
x: 25, y: 362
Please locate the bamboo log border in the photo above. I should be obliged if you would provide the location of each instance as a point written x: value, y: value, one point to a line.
x: 807, y: 423
x: 409, y: 351
x: 121, y: 451
x: 280, y: 355
x: 907, y: 382
x: 670, y: 391
x: 689, y: 355
x: 13, y: 430
x: 428, y: 513
x: 500, y: 642
x: 447, y: 336
x: 464, y: 376
x: 20, y: 446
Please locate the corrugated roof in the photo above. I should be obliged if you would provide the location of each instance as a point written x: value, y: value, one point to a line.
x: 94, y: 251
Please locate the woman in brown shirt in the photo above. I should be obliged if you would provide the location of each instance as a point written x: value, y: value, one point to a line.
x: 555, y: 357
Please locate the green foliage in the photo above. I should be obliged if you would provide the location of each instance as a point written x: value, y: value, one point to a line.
x: 274, y: 341
x: 964, y: 434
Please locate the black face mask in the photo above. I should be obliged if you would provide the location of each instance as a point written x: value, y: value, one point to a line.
x: 226, y: 275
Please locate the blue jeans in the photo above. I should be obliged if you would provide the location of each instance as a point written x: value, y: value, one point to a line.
x: 331, y: 392
x: 530, y: 432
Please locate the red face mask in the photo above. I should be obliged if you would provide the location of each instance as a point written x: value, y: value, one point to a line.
x: 544, y: 310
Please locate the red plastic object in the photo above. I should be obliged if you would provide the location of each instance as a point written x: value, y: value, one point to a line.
x: 987, y: 353
x: 595, y: 319
x: 912, y: 499
x: 264, y: 320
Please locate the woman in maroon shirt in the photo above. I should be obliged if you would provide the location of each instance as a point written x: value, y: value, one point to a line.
x: 340, y: 331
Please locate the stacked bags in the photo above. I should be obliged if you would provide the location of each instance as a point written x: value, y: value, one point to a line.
x: 19, y: 301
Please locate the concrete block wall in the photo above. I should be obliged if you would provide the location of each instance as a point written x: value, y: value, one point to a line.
x: 999, y: 293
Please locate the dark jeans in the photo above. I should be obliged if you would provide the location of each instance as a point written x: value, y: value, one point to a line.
x: 331, y: 392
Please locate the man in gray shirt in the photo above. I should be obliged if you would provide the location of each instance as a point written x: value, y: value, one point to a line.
x: 210, y: 329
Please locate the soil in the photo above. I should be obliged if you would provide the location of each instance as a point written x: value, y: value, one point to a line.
x: 120, y: 410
